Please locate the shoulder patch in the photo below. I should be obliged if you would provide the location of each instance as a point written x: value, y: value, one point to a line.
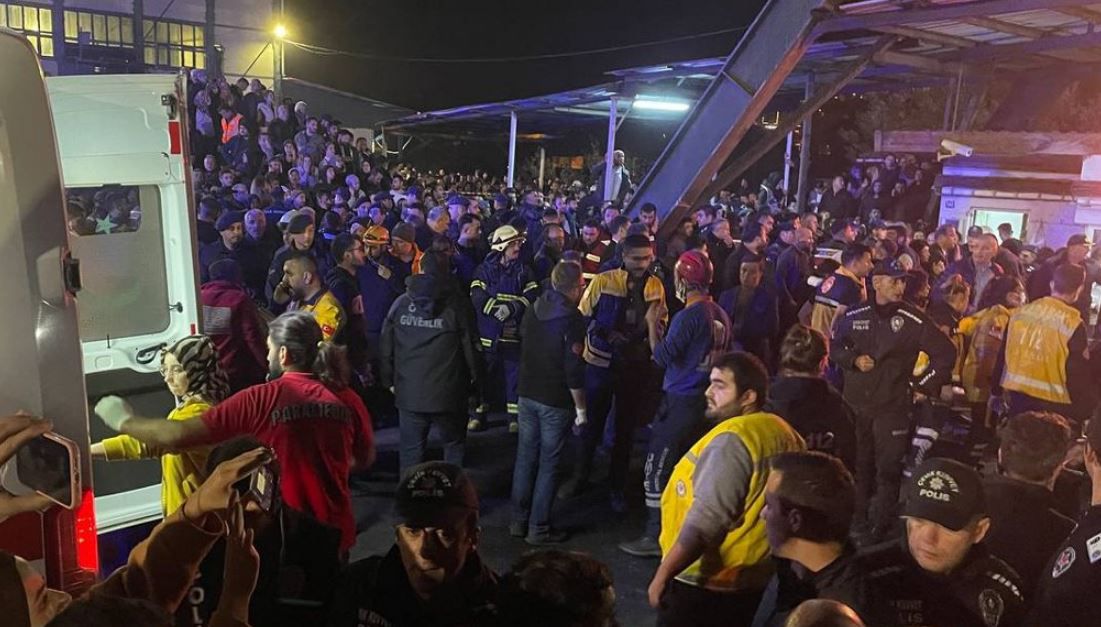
x: 1063, y: 562
x: 991, y: 606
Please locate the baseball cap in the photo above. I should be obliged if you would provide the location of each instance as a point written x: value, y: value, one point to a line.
x: 946, y: 492
x: 434, y: 494
x: 228, y: 219
x: 404, y: 231
x: 890, y: 268
x: 298, y: 224
x: 1078, y: 239
x: 286, y: 218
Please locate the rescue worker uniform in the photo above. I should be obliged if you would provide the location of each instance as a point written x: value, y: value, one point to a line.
x: 1043, y: 364
x: 697, y: 335
x: 512, y: 285
x: 893, y: 335
x: 718, y: 488
x: 326, y: 310
x: 618, y: 368
x: 592, y: 257
x: 840, y: 289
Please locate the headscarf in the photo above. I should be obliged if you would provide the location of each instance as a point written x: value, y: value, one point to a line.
x: 199, y: 359
x: 13, y: 599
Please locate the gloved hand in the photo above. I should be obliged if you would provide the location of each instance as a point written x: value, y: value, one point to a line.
x: 114, y: 411
x: 501, y: 312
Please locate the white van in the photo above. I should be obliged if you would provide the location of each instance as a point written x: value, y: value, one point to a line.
x: 81, y: 325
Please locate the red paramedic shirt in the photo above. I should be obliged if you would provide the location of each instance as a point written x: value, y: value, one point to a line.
x: 312, y: 430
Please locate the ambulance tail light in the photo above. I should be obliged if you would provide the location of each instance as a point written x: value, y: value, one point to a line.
x: 72, y: 549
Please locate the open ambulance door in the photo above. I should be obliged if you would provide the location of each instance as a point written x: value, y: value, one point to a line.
x: 122, y: 143
x: 41, y: 367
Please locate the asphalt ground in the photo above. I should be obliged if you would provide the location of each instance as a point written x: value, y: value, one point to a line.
x: 594, y: 528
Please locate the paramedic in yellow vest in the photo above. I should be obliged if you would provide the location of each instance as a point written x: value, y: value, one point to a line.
x: 1044, y: 365
x: 715, y: 559
x: 302, y: 286
x: 193, y: 375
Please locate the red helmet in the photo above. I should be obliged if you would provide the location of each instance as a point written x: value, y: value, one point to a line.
x: 694, y: 270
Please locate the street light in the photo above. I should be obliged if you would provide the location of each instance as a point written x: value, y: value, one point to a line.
x: 280, y: 33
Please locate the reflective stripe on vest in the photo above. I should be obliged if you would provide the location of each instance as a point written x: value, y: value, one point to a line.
x: 1036, y: 349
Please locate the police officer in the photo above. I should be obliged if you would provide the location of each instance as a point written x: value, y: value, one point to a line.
x: 502, y: 290
x: 876, y: 346
x: 942, y: 574
x: 698, y: 334
x: 1067, y: 592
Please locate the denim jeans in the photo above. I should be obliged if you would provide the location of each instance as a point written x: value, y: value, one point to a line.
x: 534, y: 479
x: 414, y: 436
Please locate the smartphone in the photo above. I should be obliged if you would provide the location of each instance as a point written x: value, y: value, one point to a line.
x: 48, y: 465
x: 258, y: 487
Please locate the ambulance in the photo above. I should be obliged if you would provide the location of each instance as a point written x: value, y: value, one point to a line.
x: 97, y: 249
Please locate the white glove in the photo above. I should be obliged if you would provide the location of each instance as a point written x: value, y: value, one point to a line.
x: 114, y: 411
x: 501, y: 312
x: 582, y: 419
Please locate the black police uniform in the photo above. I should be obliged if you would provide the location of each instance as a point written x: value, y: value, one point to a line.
x: 981, y: 592
x: 892, y: 335
x: 1068, y: 590
x: 376, y: 592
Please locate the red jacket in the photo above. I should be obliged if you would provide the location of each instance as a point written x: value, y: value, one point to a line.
x: 231, y: 320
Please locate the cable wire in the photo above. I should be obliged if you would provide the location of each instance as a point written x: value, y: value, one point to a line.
x: 321, y: 50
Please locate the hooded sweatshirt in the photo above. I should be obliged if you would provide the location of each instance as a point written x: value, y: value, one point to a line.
x: 428, y: 347
x: 818, y: 413
x: 552, y: 340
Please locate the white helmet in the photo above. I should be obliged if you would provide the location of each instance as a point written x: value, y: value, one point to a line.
x: 504, y: 236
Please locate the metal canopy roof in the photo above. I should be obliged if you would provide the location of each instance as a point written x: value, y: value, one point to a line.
x: 938, y: 41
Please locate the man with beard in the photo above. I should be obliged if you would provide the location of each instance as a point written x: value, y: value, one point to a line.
x: 303, y: 288
x: 349, y: 254
x: 698, y: 334
x: 469, y: 249
x: 228, y: 246
x: 433, y: 574
x: 715, y: 562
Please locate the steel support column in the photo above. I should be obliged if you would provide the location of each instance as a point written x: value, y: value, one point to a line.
x: 511, y: 148
x: 787, y: 165
x: 609, y: 151
x: 804, y: 147
x: 542, y: 165
x: 819, y: 96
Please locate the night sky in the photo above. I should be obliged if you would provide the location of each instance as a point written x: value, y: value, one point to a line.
x: 496, y: 29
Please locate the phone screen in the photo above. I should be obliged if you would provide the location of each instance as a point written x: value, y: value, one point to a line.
x: 46, y: 466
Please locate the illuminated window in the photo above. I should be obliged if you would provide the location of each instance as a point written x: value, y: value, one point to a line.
x: 34, y: 22
x: 168, y: 43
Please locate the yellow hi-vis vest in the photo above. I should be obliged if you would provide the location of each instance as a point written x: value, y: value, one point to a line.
x: 1036, y: 348
x: 742, y: 561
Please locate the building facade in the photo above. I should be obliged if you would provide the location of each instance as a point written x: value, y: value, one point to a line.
x: 137, y: 36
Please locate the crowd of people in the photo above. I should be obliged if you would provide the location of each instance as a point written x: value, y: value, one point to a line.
x: 851, y: 420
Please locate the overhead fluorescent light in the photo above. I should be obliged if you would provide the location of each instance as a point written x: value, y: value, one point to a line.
x: 680, y: 106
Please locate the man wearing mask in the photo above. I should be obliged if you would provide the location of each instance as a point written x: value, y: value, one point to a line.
x: 715, y: 562
x: 433, y: 574
x: 699, y: 334
x: 876, y: 346
x: 941, y: 574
